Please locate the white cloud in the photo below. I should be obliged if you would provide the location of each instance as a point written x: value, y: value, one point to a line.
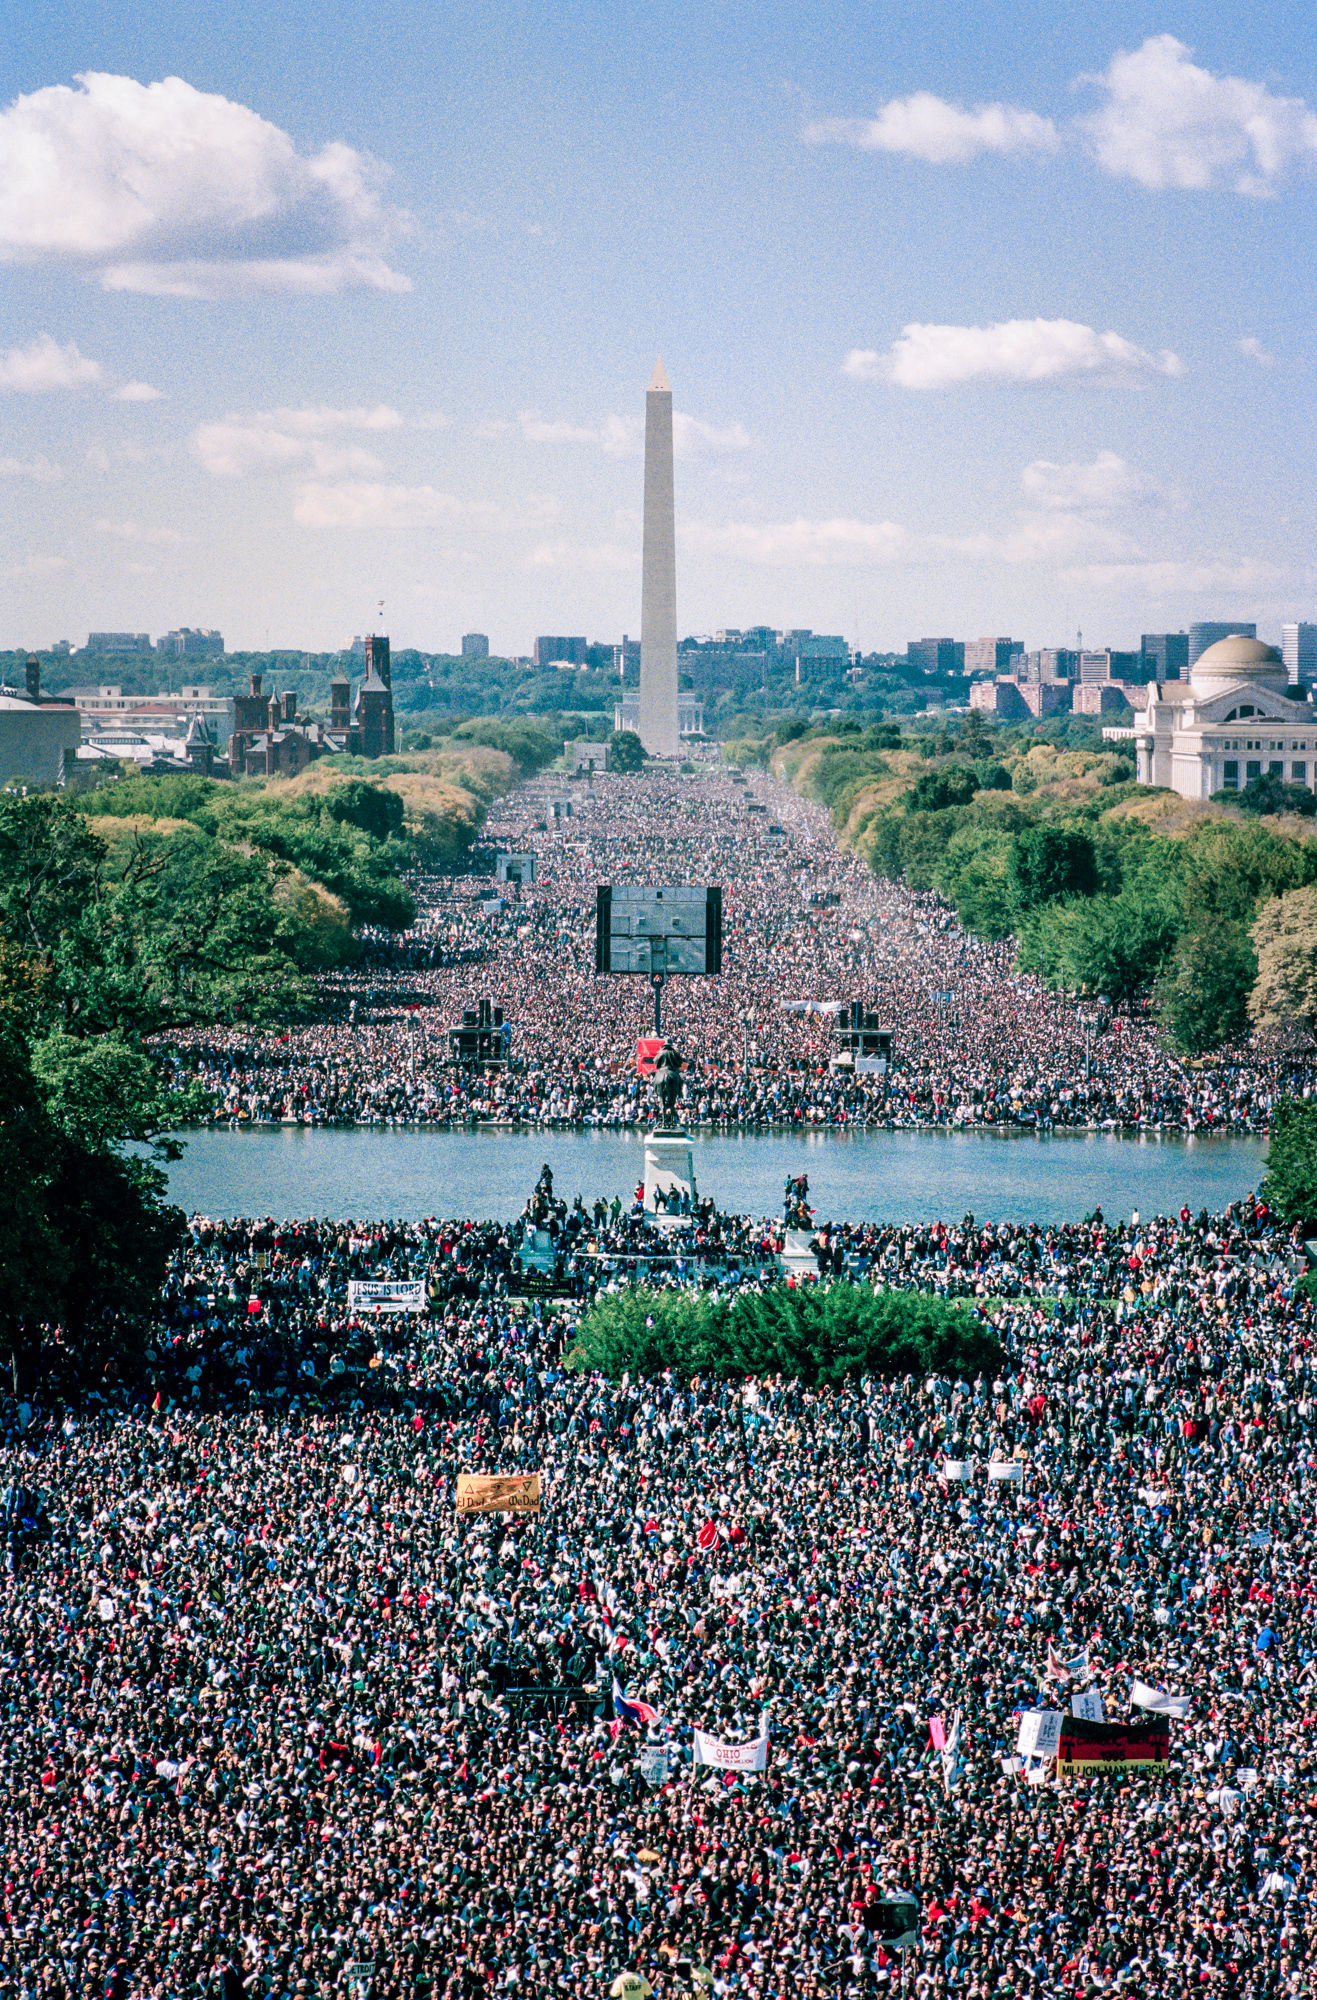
x: 434, y: 420
x: 614, y: 436
x: 1105, y: 483
x: 928, y: 128
x: 138, y: 392
x: 1253, y: 348
x: 1016, y: 350
x: 98, y: 458
x: 283, y: 440
x: 1192, y: 576
x: 356, y: 504
x: 30, y: 468
x: 1061, y: 538
x: 691, y: 438
x: 1169, y: 124
x: 133, y: 531
x: 1162, y: 121
x: 44, y: 364
x: 167, y: 189
x: 40, y: 566
x: 800, y: 543
x: 621, y: 437
x: 597, y: 558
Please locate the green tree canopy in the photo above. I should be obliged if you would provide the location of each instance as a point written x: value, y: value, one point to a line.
x: 1100, y: 944
x: 811, y: 1333
x: 625, y: 751
x: 1284, y: 997
x: 85, y: 1230
x: 934, y: 791
x: 1051, y: 861
x: 1203, y: 993
x: 1290, y: 1187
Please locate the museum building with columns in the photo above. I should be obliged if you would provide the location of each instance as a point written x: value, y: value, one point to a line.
x: 1238, y: 718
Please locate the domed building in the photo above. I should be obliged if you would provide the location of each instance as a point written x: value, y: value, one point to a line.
x: 1236, y: 721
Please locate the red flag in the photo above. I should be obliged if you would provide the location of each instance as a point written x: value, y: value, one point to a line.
x: 708, y: 1536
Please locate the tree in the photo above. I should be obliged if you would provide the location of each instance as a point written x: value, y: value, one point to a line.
x: 1290, y: 1186
x: 1284, y: 996
x: 85, y: 1230
x: 626, y: 753
x: 1203, y: 993
x: 934, y: 791
x: 1231, y: 869
x: 1270, y: 794
x: 1051, y: 861
x: 1100, y: 944
x: 813, y: 1334
x: 975, y: 876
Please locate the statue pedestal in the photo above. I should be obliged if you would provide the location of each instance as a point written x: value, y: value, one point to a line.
x: 537, y: 1253
x: 797, y: 1259
x: 669, y: 1164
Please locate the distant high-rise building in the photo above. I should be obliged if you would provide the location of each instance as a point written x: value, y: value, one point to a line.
x: 118, y: 644
x: 1165, y: 656
x: 552, y: 652
x: 1298, y: 648
x: 1106, y: 665
x: 626, y: 658
x: 659, y: 723
x: 191, y: 643
x: 475, y: 645
x: 1050, y: 665
x: 991, y: 656
x: 1207, y: 634
x: 937, y: 656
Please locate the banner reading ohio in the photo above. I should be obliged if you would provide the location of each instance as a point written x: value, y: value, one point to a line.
x: 498, y: 1493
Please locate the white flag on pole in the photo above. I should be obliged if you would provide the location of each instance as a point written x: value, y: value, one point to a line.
x: 1158, y: 1702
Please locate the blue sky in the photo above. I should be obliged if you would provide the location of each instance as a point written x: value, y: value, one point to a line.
x: 978, y: 319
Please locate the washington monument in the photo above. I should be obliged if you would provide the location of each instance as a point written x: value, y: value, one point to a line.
x: 658, y: 599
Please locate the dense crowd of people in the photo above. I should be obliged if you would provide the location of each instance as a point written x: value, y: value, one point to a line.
x: 280, y: 1722
x: 807, y: 930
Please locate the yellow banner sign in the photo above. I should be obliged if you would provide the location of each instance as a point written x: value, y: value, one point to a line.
x: 498, y: 1492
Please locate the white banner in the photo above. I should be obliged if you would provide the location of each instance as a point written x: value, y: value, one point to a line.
x: 1088, y: 1705
x: 1040, y: 1732
x: 957, y: 1468
x: 752, y: 1756
x: 653, y: 1764
x: 388, y: 1295
x: 1009, y: 1470
x: 1158, y: 1702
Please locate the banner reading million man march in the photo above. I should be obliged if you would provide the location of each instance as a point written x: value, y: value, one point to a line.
x: 1086, y: 1747
x: 498, y: 1492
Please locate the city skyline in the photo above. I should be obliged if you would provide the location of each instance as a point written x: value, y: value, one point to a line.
x: 983, y: 324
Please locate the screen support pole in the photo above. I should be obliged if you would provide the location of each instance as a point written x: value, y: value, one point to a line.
x: 658, y: 955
